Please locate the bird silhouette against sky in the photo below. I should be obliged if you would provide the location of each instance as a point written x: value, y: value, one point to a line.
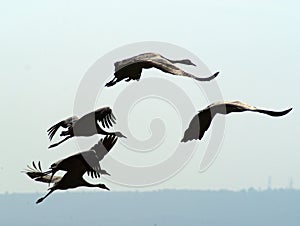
x: 85, y: 126
x: 75, y: 166
x: 89, y: 159
x: 71, y: 179
x: 131, y: 68
x: 201, y: 122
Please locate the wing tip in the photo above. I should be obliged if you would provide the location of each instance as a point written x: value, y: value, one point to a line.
x: 187, y: 139
x: 184, y: 140
x: 287, y: 111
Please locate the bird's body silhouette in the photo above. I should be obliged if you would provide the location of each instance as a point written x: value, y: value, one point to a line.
x: 71, y: 179
x: 131, y: 68
x: 76, y: 166
x: 85, y: 126
x: 201, y: 122
x: 89, y: 160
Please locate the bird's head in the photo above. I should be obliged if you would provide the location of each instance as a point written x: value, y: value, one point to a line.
x: 119, y: 134
x: 188, y: 62
x: 103, y: 186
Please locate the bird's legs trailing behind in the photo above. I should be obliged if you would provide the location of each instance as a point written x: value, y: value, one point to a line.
x: 120, y: 78
x: 58, y: 143
x: 42, y: 198
x: 82, y: 183
x: 114, y: 81
x: 99, y: 131
x: 69, y: 133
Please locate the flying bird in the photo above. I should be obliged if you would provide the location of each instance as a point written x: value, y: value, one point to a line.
x: 85, y: 126
x: 201, y: 122
x: 131, y: 68
x: 76, y: 166
x: 71, y: 179
x: 89, y: 160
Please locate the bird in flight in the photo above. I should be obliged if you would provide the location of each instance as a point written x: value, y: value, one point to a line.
x: 131, y: 68
x: 85, y: 126
x: 75, y: 166
x: 89, y: 159
x: 201, y: 121
x: 71, y: 179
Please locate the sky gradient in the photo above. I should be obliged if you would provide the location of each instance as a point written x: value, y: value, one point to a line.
x: 47, y: 47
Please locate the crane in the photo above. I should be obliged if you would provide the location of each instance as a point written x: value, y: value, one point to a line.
x: 131, y: 68
x: 85, y: 126
x: 71, y: 179
x: 75, y: 166
x: 201, y: 121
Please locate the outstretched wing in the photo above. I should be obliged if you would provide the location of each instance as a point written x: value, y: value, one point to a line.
x: 82, y: 162
x: 237, y: 106
x: 91, y: 163
x: 104, y: 146
x: 109, y: 141
x: 100, y: 149
x: 159, y: 62
x: 35, y: 172
x: 201, y: 122
x: 105, y: 116
x: 198, y: 125
x: 135, y: 59
x: 65, y: 124
x: 166, y: 66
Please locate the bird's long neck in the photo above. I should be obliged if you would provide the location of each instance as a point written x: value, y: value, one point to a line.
x: 77, y: 182
x: 102, y: 131
x: 184, y: 61
x: 177, y: 61
x: 87, y: 184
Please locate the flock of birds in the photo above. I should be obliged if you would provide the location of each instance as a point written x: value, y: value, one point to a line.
x: 88, y: 161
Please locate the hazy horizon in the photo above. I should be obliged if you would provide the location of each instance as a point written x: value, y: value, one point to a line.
x: 153, y: 208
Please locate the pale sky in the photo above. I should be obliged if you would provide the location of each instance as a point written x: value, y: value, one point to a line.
x: 47, y: 47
